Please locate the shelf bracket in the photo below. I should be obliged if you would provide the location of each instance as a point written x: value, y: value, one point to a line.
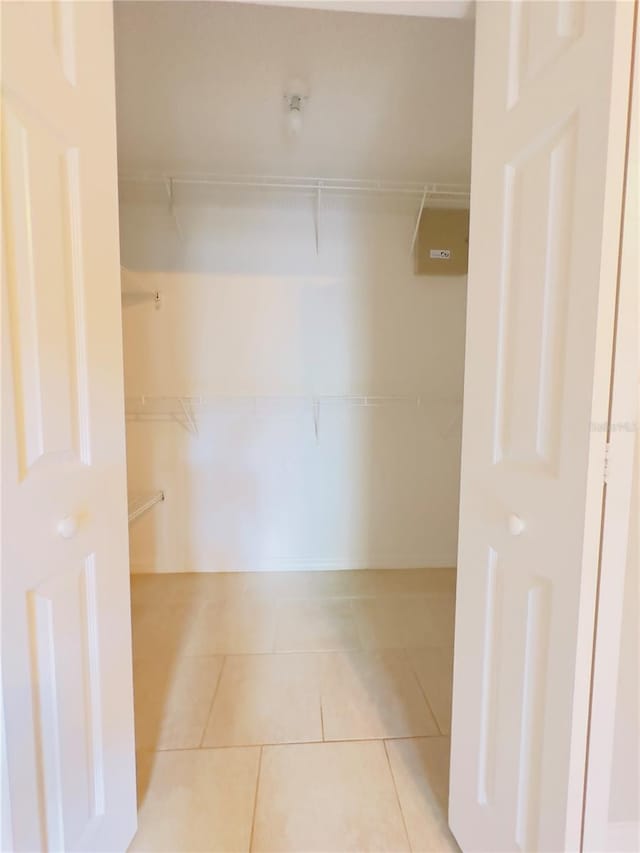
x: 172, y: 210
x: 316, y: 218
x: 316, y: 419
x: 418, y: 218
x: 187, y: 411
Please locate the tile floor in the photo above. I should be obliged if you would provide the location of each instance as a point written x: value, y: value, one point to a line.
x: 304, y: 711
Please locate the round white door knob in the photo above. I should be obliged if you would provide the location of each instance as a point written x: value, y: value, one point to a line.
x: 67, y: 527
x: 516, y: 525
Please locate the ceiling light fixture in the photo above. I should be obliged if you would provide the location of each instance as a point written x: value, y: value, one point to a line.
x: 295, y: 100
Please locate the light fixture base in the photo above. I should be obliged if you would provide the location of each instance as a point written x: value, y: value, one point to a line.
x: 295, y: 99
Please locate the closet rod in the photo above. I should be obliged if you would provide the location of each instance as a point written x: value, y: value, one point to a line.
x: 140, y: 503
x: 457, y: 191
x: 136, y: 297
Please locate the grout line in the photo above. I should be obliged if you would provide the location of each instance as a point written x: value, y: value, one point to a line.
x: 328, y: 651
x: 395, y: 788
x: 424, y: 696
x: 276, y: 601
x: 255, y: 801
x: 293, y: 743
x: 321, y: 719
x: 213, y: 699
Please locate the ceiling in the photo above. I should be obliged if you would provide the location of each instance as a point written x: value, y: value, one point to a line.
x: 420, y: 8
x: 200, y: 88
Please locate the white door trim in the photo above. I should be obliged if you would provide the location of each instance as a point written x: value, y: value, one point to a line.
x: 621, y: 427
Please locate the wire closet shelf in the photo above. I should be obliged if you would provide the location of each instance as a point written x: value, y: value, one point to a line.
x: 185, y: 410
x: 306, y: 183
x: 314, y: 187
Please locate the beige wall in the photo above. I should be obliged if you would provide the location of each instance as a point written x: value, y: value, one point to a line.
x: 250, y: 309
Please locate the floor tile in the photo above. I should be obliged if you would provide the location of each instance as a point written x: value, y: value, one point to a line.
x: 239, y: 626
x: 266, y: 699
x: 372, y: 695
x: 179, y: 587
x: 316, y: 625
x: 407, y: 581
x: 220, y: 586
x: 327, y: 797
x: 381, y: 622
x: 173, y: 700
x: 196, y: 800
x: 301, y: 585
x: 420, y: 769
x: 412, y: 621
x: 352, y: 583
x: 434, y: 668
x: 162, y: 630
x: 144, y: 587
x: 359, y: 651
x: 429, y: 621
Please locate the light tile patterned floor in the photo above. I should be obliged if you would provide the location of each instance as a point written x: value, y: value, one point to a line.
x: 304, y: 711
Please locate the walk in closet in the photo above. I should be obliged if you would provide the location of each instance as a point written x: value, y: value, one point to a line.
x: 294, y: 191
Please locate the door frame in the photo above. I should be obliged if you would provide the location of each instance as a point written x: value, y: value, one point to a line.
x: 621, y: 428
x: 606, y: 610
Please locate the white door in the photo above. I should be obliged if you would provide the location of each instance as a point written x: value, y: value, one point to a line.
x: 550, y: 111
x: 66, y: 668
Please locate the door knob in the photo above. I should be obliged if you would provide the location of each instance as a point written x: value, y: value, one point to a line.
x: 516, y: 525
x: 67, y: 526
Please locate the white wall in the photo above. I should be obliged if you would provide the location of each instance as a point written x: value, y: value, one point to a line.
x: 200, y: 87
x: 249, y: 308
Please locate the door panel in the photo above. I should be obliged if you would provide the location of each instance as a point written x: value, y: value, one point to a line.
x: 548, y: 150
x: 64, y: 630
x: 538, y: 37
x: 46, y: 292
x: 538, y: 187
x: 66, y: 637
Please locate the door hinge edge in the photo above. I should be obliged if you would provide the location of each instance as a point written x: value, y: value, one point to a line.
x: 607, y: 453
